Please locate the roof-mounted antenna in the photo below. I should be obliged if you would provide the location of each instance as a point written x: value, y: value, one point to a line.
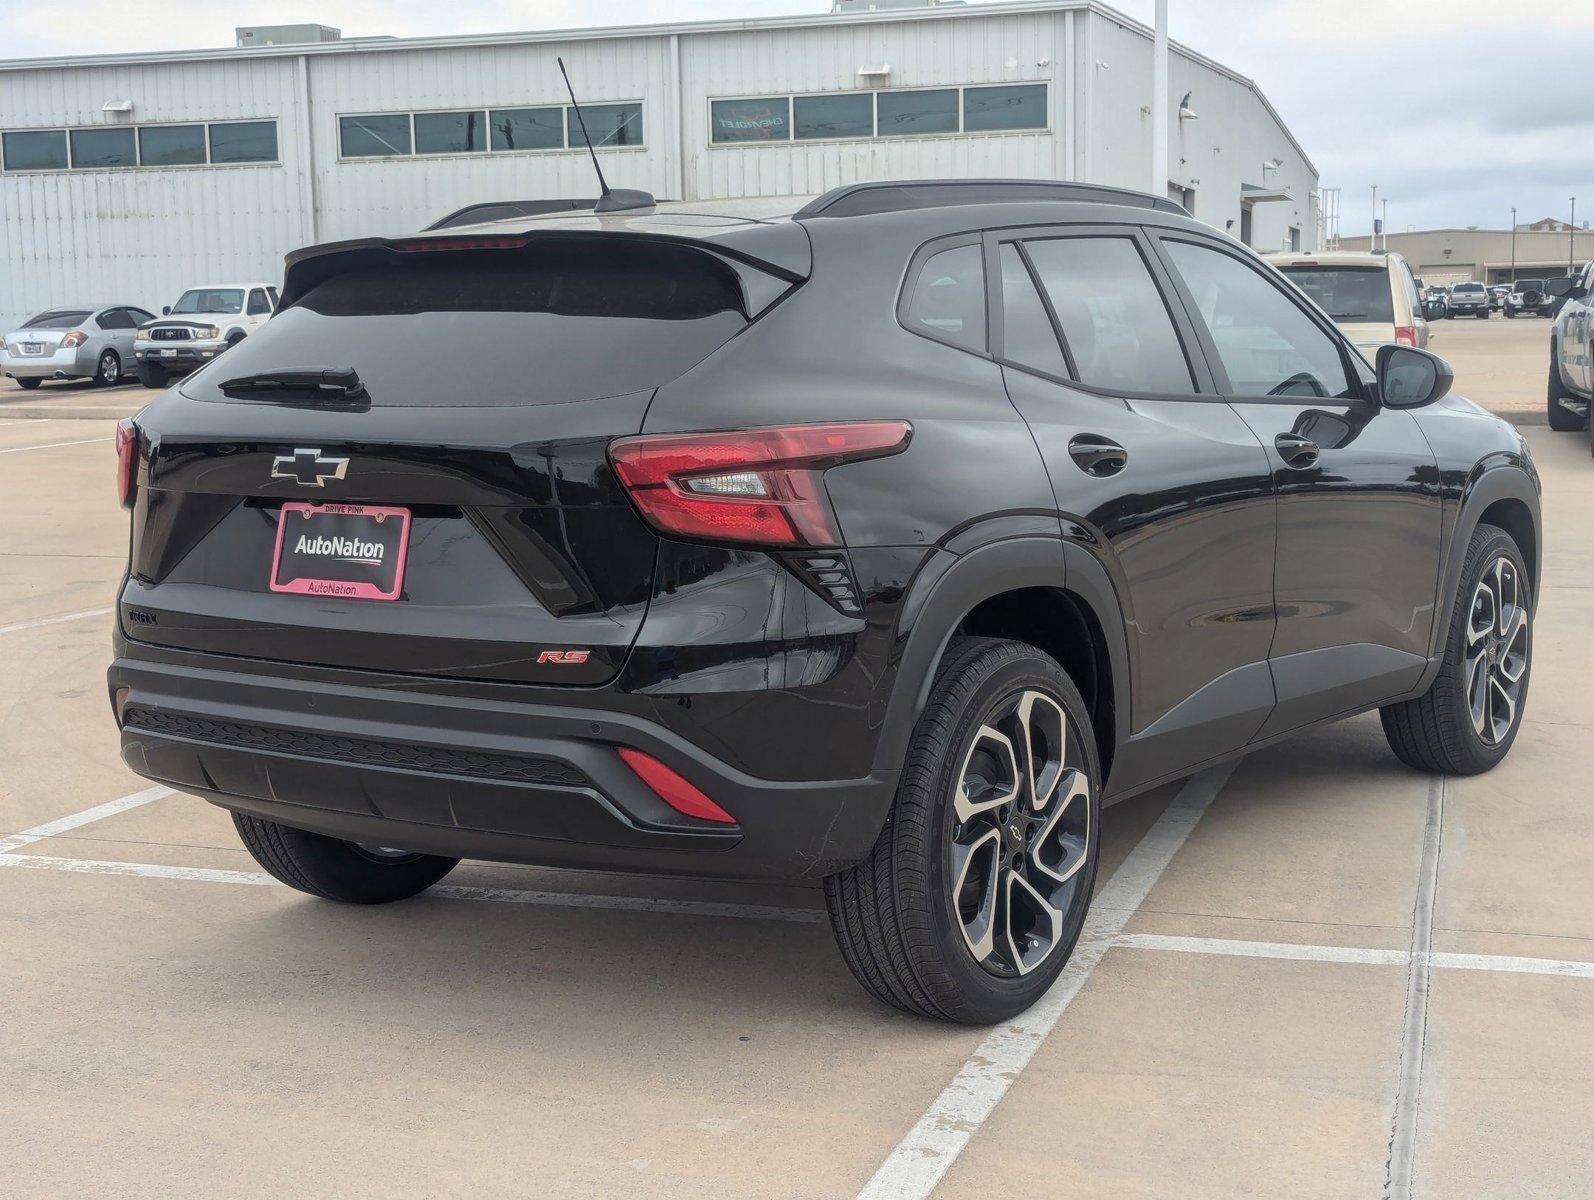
x: 612, y: 199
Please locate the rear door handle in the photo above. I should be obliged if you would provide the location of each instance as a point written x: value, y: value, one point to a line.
x: 1295, y: 450
x: 1098, y: 456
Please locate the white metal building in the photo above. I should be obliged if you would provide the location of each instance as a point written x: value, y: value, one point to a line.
x: 129, y: 177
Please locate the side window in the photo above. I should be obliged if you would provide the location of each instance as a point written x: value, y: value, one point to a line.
x: 139, y: 316
x: 114, y: 318
x: 1411, y: 288
x: 276, y: 300
x: 1027, y: 334
x: 947, y: 301
x: 258, y: 303
x: 1113, y: 317
x: 1268, y: 346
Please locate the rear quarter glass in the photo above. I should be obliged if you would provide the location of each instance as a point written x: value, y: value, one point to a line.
x: 555, y: 321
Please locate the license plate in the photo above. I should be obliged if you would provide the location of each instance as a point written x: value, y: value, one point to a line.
x: 33, y: 347
x: 168, y: 354
x: 354, y: 551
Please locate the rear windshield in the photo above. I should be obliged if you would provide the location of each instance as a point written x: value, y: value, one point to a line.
x: 1348, y: 293
x: 62, y: 319
x: 1467, y: 287
x: 565, y: 319
x: 1529, y: 285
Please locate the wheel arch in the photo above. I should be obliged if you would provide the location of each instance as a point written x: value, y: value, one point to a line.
x: 1051, y: 594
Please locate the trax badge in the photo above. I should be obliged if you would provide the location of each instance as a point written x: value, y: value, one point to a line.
x: 564, y: 658
x: 308, y: 467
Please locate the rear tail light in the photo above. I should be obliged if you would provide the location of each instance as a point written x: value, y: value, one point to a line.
x: 488, y: 242
x: 1405, y: 335
x: 126, y: 460
x: 760, y: 487
x: 76, y: 338
x: 672, y: 788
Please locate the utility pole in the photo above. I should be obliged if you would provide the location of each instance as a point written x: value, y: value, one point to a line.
x: 1372, y: 240
x: 1386, y: 224
x: 1571, y: 241
x: 1159, y: 103
x: 1513, y: 278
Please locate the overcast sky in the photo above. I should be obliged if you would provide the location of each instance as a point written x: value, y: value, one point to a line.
x: 1456, y: 109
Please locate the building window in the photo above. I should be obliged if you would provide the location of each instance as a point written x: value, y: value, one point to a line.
x: 374, y: 136
x: 527, y: 128
x: 609, y: 124
x: 104, y: 148
x: 449, y: 133
x: 758, y: 119
x: 41, y: 150
x: 243, y: 142
x: 916, y: 113
x: 1013, y: 106
x: 171, y: 145
x: 835, y: 116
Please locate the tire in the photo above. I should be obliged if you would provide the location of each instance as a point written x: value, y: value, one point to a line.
x: 29, y: 384
x: 338, y: 870
x: 913, y: 940
x: 152, y: 377
x: 232, y: 341
x: 1510, y: 314
x: 1562, y: 419
x: 108, y: 373
x: 1440, y: 731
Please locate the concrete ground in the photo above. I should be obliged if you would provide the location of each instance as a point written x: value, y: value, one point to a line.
x: 1245, y: 1017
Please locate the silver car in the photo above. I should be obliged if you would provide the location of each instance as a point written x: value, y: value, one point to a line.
x: 74, y: 341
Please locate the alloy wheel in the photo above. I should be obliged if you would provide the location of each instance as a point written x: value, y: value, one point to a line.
x: 110, y: 369
x: 1020, y: 839
x: 1497, y: 651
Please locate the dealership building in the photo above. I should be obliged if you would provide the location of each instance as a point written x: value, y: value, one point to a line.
x: 128, y: 177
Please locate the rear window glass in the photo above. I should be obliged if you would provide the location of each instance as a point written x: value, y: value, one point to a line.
x: 568, y: 319
x: 1347, y: 293
x: 60, y: 319
x: 1467, y: 287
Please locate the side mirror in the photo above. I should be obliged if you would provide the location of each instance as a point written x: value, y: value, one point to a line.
x: 1411, y: 378
x: 1565, y: 286
x: 167, y: 311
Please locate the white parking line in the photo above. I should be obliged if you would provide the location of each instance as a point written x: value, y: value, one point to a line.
x: 54, y: 445
x: 78, y: 819
x: 41, y: 622
x: 1568, y: 968
x: 924, y: 1156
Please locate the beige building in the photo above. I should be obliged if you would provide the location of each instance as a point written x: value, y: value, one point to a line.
x: 1485, y: 255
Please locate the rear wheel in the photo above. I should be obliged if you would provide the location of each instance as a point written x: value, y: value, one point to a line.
x: 1562, y: 419
x: 109, y: 371
x: 1467, y: 720
x: 339, y: 870
x: 977, y: 888
x: 29, y: 384
x: 152, y: 377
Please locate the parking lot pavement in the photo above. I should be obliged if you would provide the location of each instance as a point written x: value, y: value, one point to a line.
x: 71, y: 399
x: 1502, y: 364
x: 1246, y: 1017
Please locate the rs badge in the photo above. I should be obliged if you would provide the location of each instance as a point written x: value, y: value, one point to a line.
x: 564, y: 658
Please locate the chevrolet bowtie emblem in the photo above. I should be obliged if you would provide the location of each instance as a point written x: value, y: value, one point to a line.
x: 308, y: 468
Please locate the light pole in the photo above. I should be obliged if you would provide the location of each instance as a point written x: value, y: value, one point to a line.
x: 1571, y: 240
x: 1386, y: 224
x: 1372, y: 240
x: 1159, y: 102
x: 1513, y: 278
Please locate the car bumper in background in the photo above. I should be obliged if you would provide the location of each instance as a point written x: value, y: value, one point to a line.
x: 63, y: 364
x: 179, y: 355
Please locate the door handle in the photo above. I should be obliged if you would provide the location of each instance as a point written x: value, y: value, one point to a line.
x: 1098, y: 456
x: 1295, y: 450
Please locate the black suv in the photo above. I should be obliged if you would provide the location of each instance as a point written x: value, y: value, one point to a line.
x: 878, y: 540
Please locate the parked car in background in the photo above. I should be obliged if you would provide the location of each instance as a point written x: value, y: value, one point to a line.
x: 1571, y: 388
x: 1372, y: 297
x: 1469, y: 299
x: 1497, y: 294
x: 75, y: 341
x: 203, y: 323
x: 1528, y: 298
x: 1436, y: 304
x: 879, y: 539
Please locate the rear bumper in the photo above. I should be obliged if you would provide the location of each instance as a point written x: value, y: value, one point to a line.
x: 460, y: 776
x: 64, y: 364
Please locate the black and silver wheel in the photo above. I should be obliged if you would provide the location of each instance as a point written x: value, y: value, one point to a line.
x: 323, y: 866
x: 109, y: 371
x: 1562, y: 418
x: 1467, y: 720
x: 977, y: 888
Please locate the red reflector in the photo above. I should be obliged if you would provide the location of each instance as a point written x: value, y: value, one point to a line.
x: 126, y: 460
x: 759, y: 487
x: 492, y: 242
x: 671, y: 788
x: 1406, y: 335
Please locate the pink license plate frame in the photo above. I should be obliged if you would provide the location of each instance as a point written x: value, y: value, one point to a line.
x: 347, y: 589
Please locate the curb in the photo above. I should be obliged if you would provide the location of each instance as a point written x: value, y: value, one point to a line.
x: 78, y: 413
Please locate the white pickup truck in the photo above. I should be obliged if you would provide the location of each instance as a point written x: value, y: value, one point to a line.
x: 204, y: 322
x: 1572, y: 352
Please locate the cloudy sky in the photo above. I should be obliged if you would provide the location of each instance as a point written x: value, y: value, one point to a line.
x: 1456, y: 109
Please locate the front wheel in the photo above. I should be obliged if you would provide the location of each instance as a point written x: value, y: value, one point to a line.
x: 338, y: 870
x: 975, y: 892
x: 152, y: 377
x: 1467, y: 720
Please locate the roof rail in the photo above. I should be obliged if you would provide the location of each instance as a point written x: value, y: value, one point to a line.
x: 860, y: 199
x: 499, y: 210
